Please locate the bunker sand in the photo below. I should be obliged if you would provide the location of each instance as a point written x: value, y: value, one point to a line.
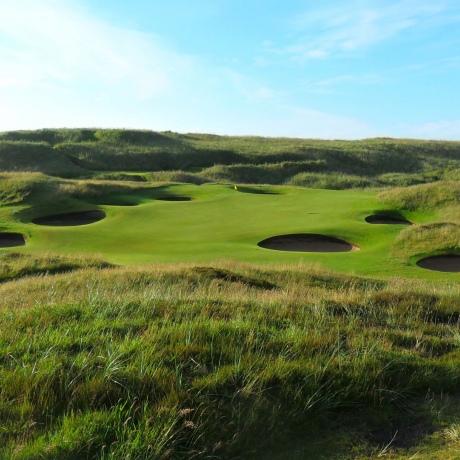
x: 174, y: 198
x: 71, y: 219
x: 383, y: 219
x: 9, y: 240
x: 444, y: 263
x: 307, y: 242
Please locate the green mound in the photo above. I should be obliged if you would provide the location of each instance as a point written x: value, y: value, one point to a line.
x: 35, y: 157
x: 200, y: 158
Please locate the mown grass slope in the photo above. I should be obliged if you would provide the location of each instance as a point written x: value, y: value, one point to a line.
x: 218, y: 223
x: 221, y: 222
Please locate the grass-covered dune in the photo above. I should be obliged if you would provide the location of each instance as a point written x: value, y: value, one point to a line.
x: 37, y: 157
x: 198, y: 158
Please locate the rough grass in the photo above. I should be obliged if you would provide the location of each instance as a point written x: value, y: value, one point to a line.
x: 222, y: 361
x: 200, y: 157
x: 442, y: 236
x: 330, y: 181
x: 16, y: 265
x: 426, y: 197
x: 429, y: 239
x: 16, y: 187
x: 35, y: 157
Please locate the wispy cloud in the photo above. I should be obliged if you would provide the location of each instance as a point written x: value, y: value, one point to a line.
x: 359, y: 25
x: 57, y: 43
x: 444, y: 129
x: 61, y: 65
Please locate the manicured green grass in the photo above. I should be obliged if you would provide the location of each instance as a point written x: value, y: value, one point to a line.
x: 221, y: 223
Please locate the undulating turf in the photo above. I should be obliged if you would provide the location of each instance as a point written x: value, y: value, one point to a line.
x: 221, y: 222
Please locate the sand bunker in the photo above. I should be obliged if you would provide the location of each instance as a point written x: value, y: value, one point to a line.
x: 130, y: 203
x: 174, y: 198
x: 257, y: 190
x: 307, y: 242
x: 384, y: 219
x: 116, y: 203
x: 8, y: 240
x: 444, y: 263
x: 71, y: 218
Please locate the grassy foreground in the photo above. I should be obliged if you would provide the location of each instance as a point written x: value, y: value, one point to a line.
x: 228, y: 361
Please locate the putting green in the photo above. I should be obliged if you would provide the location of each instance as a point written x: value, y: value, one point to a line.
x: 221, y: 223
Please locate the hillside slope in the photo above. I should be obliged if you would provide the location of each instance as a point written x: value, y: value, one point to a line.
x: 199, y: 158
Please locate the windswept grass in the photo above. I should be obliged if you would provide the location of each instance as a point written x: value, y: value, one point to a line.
x: 17, y: 187
x: 35, y: 157
x: 16, y: 265
x: 428, y: 239
x: 330, y: 181
x: 220, y: 361
x: 426, y: 197
x: 256, y: 160
x: 226, y: 360
x: 442, y: 235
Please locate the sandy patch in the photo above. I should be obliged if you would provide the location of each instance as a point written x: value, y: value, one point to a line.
x: 383, y: 219
x: 256, y: 190
x: 174, y: 198
x: 71, y: 219
x: 307, y: 242
x: 9, y: 240
x: 445, y: 263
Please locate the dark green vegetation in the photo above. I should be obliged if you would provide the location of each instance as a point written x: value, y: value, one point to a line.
x: 199, y: 158
x: 278, y: 356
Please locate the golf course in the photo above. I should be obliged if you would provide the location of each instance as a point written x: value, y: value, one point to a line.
x: 176, y: 296
x: 225, y: 222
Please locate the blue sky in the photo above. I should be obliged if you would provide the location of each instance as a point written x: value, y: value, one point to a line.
x: 334, y: 69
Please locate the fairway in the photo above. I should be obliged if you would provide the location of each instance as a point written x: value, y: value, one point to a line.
x: 218, y: 222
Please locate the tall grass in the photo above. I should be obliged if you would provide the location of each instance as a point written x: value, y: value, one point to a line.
x: 35, y: 157
x: 386, y: 162
x: 16, y: 265
x: 423, y: 197
x: 209, y: 362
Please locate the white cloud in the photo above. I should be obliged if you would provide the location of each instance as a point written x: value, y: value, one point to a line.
x: 359, y: 25
x: 51, y: 43
x: 316, y: 54
x: 63, y: 67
